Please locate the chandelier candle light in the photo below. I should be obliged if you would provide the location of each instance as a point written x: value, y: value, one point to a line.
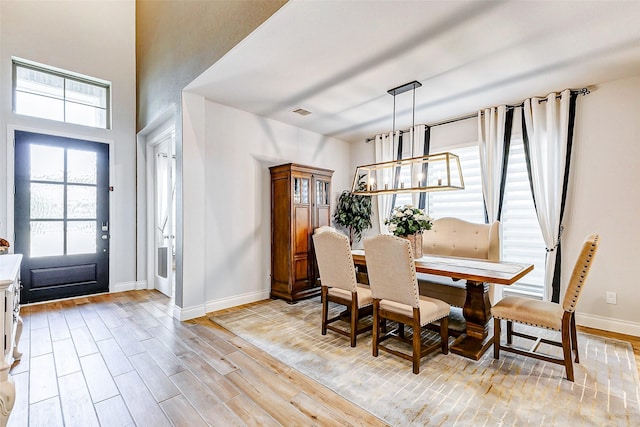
x: 432, y: 172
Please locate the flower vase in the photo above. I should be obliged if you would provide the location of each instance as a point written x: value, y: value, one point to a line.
x: 416, y: 244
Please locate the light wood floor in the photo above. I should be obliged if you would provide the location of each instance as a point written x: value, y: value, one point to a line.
x: 121, y: 359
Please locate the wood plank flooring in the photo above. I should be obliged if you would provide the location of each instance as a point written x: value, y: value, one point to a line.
x: 122, y: 360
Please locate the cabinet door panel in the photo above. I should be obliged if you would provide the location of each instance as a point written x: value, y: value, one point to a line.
x: 323, y: 216
x: 302, y: 224
x: 301, y: 272
x: 280, y: 229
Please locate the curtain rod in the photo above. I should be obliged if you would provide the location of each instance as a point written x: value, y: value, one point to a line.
x: 584, y: 91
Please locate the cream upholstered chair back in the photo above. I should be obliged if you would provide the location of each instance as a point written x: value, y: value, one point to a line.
x: 455, y: 237
x: 335, y: 262
x: 392, y: 272
x: 580, y: 272
x: 324, y: 228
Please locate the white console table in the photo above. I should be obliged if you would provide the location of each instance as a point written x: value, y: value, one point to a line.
x: 11, y: 328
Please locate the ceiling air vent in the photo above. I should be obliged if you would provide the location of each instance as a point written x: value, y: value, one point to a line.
x: 302, y: 112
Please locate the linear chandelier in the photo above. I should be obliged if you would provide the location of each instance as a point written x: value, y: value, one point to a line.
x: 432, y: 172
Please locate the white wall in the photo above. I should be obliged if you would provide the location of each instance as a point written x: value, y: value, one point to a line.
x: 240, y: 147
x: 97, y: 39
x: 604, y: 197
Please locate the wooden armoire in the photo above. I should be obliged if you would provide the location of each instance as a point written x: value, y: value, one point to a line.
x: 300, y: 203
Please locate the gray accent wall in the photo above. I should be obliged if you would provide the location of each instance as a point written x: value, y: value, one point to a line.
x: 176, y: 41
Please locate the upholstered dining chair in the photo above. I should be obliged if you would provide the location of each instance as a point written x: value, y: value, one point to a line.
x: 392, y: 277
x: 548, y: 315
x: 338, y: 281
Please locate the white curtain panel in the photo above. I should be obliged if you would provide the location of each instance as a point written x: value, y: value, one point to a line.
x: 384, y: 152
x: 491, y: 124
x: 417, y: 150
x: 547, y: 129
x: 491, y: 128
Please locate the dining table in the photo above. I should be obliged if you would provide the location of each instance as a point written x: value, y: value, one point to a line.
x: 477, y: 274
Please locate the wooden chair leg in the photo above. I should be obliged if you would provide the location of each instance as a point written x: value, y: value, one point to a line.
x: 401, y: 330
x: 496, y: 338
x: 566, y: 345
x: 354, y: 318
x: 509, y: 332
x: 574, y: 337
x: 417, y: 347
x: 444, y: 334
x: 376, y: 328
x: 325, y: 310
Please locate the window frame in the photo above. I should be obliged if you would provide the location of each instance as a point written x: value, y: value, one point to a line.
x: 65, y: 75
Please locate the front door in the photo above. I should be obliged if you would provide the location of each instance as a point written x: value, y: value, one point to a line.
x: 61, y: 216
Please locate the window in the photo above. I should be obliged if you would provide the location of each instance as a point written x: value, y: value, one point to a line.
x: 466, y: 204
x: 56, y: 95
x: 521, y: 236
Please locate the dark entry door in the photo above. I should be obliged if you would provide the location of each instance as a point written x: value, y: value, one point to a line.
x: 61, y: 216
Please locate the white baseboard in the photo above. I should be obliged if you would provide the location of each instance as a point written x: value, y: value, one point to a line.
x: 200, y: 310
x: 124, y: 286
x: 188, y: 313
x: 608, y: 324
x: 129, y: 286
x: 236, y: 300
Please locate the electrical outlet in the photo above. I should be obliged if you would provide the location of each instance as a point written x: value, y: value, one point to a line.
x: 611, y: 298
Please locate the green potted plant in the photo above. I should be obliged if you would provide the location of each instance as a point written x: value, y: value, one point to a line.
x: 353, y: 212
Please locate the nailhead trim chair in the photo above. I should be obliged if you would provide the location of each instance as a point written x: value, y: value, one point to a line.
x: 338, y: 280
x: 548, y: 315
x: 392, y: 277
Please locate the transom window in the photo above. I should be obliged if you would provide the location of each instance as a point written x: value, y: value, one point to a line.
x: 39, y: 91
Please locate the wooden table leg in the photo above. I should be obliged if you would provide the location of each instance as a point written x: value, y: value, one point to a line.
x: 477, y: 314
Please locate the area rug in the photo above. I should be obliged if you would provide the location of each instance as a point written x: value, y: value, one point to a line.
x: 450, y: 389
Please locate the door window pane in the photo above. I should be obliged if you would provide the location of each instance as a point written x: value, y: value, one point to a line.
x: 81, y: 237
x: 47, y: 201
x: 81, y: 201
x: 47, y: 163
x: 47, y: 238
x: 81, y: 167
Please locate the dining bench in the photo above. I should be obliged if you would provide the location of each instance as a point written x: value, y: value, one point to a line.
x: 458, y: 238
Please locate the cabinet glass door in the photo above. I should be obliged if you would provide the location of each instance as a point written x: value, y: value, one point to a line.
x: 301, y: 191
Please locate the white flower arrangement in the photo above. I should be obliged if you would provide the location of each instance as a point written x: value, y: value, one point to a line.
x: 406, y: 220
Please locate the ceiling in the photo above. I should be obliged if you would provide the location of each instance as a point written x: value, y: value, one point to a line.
x: 338, y: 58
